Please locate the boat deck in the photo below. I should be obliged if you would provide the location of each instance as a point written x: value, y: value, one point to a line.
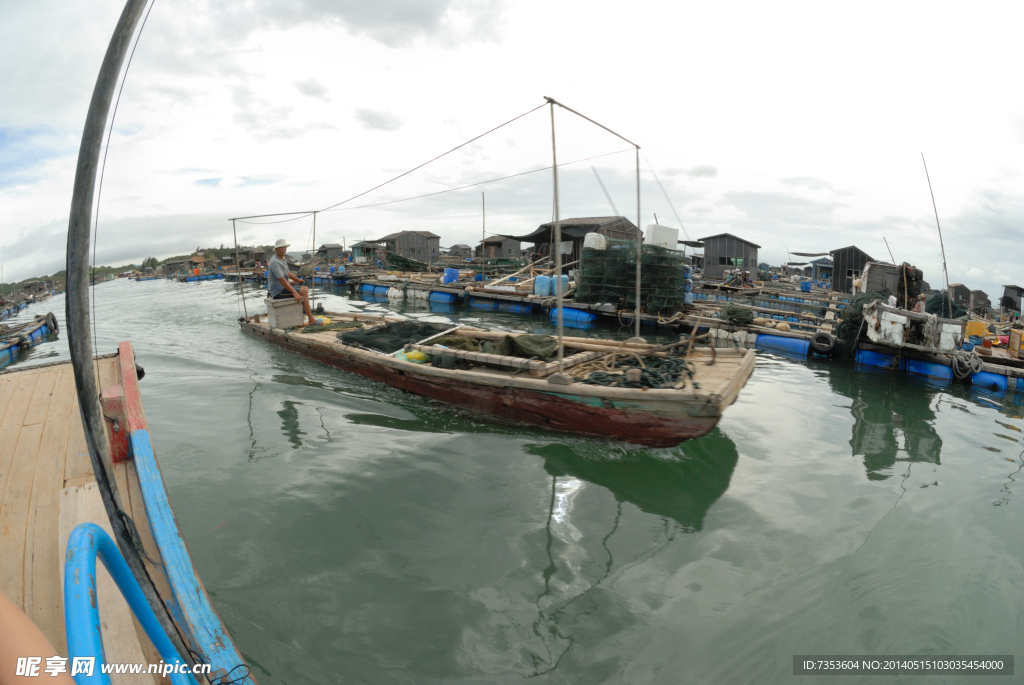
x: 47, y: 488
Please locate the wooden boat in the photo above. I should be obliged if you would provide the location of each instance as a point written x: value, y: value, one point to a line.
x: 50, y: 488
x: 15, y: 339
x: 520, y: 390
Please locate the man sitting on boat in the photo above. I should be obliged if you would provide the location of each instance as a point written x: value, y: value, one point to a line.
x: 280, y: 279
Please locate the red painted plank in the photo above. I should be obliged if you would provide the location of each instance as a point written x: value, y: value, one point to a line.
x: 130, y: 383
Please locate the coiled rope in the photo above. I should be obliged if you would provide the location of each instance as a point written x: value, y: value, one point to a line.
x: 965, y: 363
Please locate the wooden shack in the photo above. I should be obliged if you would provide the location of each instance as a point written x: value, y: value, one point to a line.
x: 960, y: 293
x: 725, y: 251
x: 847, y: 265
x: 330, y: 251
x: 422, y: 246
x: 574, y: 231
x: 499, y: 247
x: 460, y: 251
x: 1011, y: 299
x: 979, y: 300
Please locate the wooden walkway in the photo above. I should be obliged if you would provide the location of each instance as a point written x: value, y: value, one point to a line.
x: 47, y: 487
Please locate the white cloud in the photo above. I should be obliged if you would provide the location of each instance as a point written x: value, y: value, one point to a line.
x: 766, y: 121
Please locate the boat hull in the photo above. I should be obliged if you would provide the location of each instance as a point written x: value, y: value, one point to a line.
x: 651, y: 423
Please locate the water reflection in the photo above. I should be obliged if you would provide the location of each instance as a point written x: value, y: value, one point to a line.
x: 893, y: 419
x: 289, y: 414
x: 682, y: 489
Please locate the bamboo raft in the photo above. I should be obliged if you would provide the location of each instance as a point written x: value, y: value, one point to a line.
x: 527, y: 391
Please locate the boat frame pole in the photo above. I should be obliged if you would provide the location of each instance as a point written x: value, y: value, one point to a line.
x: 639, y: 231
x: 557, y: 244
x: 238, y: 270
x: 78, y: 315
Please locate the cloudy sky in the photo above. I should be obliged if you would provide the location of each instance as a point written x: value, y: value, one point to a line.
x: 799, y: 126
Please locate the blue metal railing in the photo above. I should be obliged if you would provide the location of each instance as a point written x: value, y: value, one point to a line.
x: 81, y: 610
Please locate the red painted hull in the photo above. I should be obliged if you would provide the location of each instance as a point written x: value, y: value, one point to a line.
x: 547, y: 410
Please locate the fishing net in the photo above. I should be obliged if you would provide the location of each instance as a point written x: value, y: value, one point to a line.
x: 527, y: 346
x: 457, y: 342
x: 737, y: 315
x: 938, y: 304
x: 848, y: 330
x: 391, y: 337
x: 609, y: 275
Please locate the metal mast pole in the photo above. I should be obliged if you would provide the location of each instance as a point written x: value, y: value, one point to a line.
x: 238, y: 270
x: 639, y: 244
x: 483, y: 228
x: 558, y: 243
x: 312, y: 277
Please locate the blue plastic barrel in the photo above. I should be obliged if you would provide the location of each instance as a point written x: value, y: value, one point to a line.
x: 515, y: 307
x: 564, y: 280
x: 687, y: 285
x: 366, y: 288
x: 380, y: 290
x: 687, y: 298
x: 992, y: 382
x: 805, y: 286
x: 486, y: 305
x: 778, y: 343
x: 542, y: 286
x: 687, y: 271
x: 442, y: 298
x: 573, y: 318
x: 450, y: 276
x: 478, y: 277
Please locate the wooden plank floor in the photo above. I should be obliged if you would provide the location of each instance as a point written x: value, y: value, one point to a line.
x: 47, y: 487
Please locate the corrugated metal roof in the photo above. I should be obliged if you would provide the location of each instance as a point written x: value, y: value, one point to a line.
x: 729, y: 235
x: 393, y: 236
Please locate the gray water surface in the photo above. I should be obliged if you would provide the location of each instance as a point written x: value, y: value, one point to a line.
x: 351, y: 533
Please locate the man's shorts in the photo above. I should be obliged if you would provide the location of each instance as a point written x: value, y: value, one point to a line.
x: 283, y: 295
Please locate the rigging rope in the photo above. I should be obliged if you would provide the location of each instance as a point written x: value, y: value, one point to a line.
x: 473, y: 185
x: 406, y: 173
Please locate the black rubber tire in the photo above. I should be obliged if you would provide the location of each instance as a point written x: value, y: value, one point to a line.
x: 51, y: 323
x: 140, y: 372
x: 822, y: 342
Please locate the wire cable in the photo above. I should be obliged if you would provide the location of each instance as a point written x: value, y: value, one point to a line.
x: 479, y: 183
x: 406, y: 173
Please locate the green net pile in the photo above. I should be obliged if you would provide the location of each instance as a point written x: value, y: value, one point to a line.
x: 391, y: 337
x: 609, y: 276
x: 938, y: 304
x: 737, y: 315
x: 850, y: 319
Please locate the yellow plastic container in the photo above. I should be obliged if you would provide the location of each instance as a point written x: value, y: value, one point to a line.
x: 976, y: 328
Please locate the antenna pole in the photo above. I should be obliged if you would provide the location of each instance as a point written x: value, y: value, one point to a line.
x: 945, y: 270
x: 483, y: 227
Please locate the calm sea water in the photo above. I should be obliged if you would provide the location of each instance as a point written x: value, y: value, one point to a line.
x: 352, y: 533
